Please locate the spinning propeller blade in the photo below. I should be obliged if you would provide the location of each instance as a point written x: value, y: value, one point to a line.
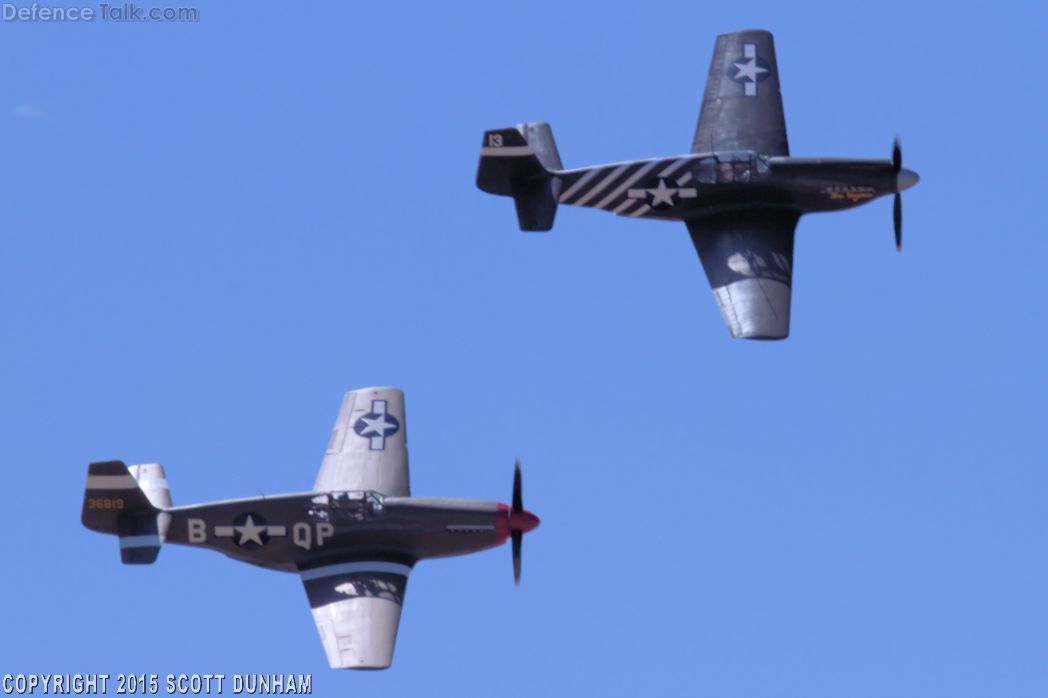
x: 897, y: 207
x: 520, y: 521
x: 516, y: 533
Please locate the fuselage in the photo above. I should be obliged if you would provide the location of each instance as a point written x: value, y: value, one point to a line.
x: 712, y: 182
x: 292, y: 531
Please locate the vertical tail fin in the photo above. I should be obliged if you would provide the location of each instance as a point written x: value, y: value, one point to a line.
x: 523, y: 162
x: 129, y: 503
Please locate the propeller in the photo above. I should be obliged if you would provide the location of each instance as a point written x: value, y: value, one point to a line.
x: 904, y: 179
x: 897, y: 219
x: 520, y: 521
x: 518, y: 497
x: 897, y: 206
x: 516, y: 533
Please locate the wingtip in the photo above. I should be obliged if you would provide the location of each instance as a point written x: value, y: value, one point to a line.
x: 374, y: 390
x: 749, y: 32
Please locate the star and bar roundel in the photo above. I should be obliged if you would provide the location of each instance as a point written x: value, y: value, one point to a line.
x: 749, y: 70
x: 250, y: 530
x: 377, y: 425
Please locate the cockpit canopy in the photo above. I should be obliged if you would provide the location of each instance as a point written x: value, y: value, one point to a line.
x: 729, y: 166
x: 352, y: 505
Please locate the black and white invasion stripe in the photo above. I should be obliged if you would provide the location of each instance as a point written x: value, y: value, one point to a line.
x: 606, y: 187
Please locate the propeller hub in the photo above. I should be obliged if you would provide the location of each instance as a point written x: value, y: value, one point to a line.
x: 523, y: 521
x: 510, y: 520
x: 905, y: 179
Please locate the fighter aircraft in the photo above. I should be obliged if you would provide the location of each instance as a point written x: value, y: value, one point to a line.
x: 352, y: 540
x: 738, y: 192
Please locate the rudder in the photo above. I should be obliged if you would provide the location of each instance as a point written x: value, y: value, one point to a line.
x: 128, y: 503
x: 523, y: 162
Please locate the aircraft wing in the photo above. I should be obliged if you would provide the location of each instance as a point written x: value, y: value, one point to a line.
x: 748, y: 258
x: 742, y: 107
x: 356, y: 606
x: 368, y: 448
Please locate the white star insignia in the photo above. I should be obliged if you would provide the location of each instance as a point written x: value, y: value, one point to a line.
x: 249, y: 531
x: 377, y: 425
x: 749, y: 70
x: 662, y: 194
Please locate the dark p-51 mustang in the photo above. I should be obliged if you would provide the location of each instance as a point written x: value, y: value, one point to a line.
x: 738, y: 192
x: 353, y: 540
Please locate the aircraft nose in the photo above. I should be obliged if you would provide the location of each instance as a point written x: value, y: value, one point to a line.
x: 906, y: 179
x: 523, y: 520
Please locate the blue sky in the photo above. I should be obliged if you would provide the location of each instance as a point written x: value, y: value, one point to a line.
x: 212, y: 230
